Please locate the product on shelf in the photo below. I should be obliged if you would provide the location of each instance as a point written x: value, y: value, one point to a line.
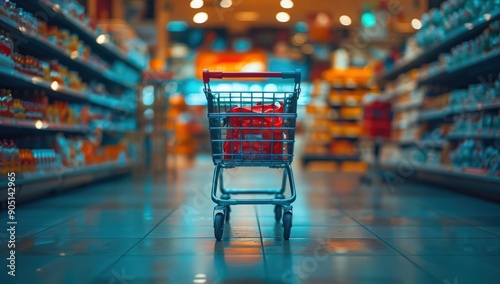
x: 453, y: 14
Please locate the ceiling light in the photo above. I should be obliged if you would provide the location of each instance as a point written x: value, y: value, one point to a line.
x: 196, y: 4
x: 286, y: 4
x: 226, y: 3
x: 200, y: 17
x: 345, y: 20
x: 416, y: 24
x: 246, y: 16
x: 282, y: 17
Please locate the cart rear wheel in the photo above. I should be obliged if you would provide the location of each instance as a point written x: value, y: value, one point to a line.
x: 218, y: 225
x: 228, y: 210
x: 287, y: 225
x: 277, y: 212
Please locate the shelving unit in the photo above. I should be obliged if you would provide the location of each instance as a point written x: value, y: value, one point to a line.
x: 33, y: 185
x: 30, y: 185
x: 57, y: 16
x: 438, y: 86
x: 335, y: 132
x: 42, y: 48
x: 430, y: 54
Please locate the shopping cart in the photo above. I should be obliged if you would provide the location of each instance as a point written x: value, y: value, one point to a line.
x: 252, y: 129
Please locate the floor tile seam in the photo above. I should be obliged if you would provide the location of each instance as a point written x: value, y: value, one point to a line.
x: 136, y: 243
x: 395, y: 249
x: 264, y: 259
x: 46, y: 229
x: 479, y: 228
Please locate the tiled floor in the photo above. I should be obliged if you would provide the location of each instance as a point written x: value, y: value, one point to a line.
x: 136, y: 230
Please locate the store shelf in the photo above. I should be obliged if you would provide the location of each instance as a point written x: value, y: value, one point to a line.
x: 350, y: 88
x: 43, y: 48
x: 475, y: 184
x: 444, y: 113
x: 349, y: 138
x: 430, y: 54
x: 347, y: 119
x: 35, y: 184
x: 307, y: 158
x: 58, y: 17
x: 483, y: 136
x: 407, y: 106
x: 462, y: 75
x: 12, y: 79
x: 12, y: 124
x: 425, y: 143
x: 402, y: 89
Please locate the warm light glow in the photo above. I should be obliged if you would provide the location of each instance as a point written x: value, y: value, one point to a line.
x: 74, y: 54
x: 200, y: 17
x: 54, y: 86
x: 226, y: 3
x: 299, y: 39
x: 286, y: 4
x: 345, y: 20
x: 416, y: 24
x: 247, y: 16
x: 196, y: 4
x: 307, y: 49
x: 103, y: 38
x: 282, y: 17
x: 39, y: 124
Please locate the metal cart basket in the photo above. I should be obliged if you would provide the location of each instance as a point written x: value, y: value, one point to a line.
x: 252, y: 129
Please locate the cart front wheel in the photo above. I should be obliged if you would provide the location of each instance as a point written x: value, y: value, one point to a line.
x: 277, y: 212
x: 228, y: 210
x: 287, y: 225
x: 218, y: 226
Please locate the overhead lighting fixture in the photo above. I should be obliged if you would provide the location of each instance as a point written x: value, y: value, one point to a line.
x: 200, y: 17
x: 416, y: 24
x: 282, y: 17
x: 247, y: 16
x: 286, y: 4
x: 226, y: 3
x: 196, y: 4
x: 345, y: 20
x: 368, y: 19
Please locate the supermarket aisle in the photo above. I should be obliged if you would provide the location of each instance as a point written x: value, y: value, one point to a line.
x: 133, y: 231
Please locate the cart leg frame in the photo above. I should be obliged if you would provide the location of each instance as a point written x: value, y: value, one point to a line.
x: 279, y: 199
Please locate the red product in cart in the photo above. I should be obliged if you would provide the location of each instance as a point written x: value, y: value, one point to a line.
x: 255, y: 129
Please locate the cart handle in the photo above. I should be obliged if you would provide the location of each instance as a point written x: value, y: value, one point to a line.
x: 219, y: 75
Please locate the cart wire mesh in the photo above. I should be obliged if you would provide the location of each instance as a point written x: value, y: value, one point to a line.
x: 252, y: 128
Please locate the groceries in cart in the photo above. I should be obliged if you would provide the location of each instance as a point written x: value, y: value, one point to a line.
x: 255, y: 136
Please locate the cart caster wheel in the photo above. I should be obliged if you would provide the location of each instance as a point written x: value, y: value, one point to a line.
x: 277, y: 212
x: 287, y: 225
x: 218, y: 226
x: 228, y: 210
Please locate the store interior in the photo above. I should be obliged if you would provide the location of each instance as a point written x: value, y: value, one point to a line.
x: 366, y: 134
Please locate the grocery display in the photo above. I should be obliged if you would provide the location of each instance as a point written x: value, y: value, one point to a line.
x: 66, y: 98
x: 336, y: 126
x: 447, y: 98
